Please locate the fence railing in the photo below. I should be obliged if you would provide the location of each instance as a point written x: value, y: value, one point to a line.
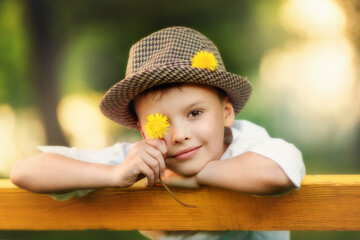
x: 324, y: 202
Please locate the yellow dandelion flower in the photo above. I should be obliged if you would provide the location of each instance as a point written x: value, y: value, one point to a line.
x: 156, y: 125
x: 204, y: 59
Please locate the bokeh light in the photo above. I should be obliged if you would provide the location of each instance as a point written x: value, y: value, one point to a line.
x: 21, y: 132
x: 82, y: 121
x: 315, y: 19
x: 313, y: 74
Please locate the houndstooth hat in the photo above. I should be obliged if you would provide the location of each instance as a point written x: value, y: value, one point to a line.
x: 165, y: 57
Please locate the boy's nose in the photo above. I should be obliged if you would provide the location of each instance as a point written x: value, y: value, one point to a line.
x: 179, y: 133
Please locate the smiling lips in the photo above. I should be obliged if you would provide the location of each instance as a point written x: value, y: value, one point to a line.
x: 186, y: 153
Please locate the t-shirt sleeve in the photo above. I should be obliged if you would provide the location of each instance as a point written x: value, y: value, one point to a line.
x: 254, y: 138
x: 286, y: 155
x: 113, y: 155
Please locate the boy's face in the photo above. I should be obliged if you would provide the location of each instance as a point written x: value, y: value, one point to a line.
x: 197, y: 119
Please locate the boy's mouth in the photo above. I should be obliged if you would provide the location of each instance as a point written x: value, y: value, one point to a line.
x: 186, y: 153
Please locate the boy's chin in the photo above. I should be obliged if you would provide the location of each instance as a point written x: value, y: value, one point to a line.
x: 186, y: 172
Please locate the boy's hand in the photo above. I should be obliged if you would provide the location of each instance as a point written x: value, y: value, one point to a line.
x: 146, y: 158
x: 173, y: 179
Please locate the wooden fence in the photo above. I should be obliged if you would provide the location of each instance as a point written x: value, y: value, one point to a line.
x: 324, y: 202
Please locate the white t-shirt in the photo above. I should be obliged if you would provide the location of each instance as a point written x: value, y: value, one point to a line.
x: 246, y: 137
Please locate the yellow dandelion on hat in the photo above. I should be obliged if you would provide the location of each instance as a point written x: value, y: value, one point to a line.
x: 156, y: 125
x: 204, y: 59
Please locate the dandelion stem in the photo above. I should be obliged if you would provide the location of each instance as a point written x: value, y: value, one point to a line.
x: 167, y: 189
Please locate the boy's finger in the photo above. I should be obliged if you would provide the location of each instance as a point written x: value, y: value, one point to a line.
x: 153, y: 164
x: 148, y: 172
x: 158, y: 144
x: 156, y: 154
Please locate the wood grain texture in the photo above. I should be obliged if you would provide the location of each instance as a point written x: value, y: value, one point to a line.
x: 325, y: 202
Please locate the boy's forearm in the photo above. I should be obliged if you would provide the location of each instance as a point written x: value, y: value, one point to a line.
x: 53, y: 173
x: 249, y: 172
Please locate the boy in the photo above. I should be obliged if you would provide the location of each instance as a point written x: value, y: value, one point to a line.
x: 177, y: 72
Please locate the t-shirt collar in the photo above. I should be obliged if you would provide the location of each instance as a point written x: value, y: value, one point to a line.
x: 231, y: 135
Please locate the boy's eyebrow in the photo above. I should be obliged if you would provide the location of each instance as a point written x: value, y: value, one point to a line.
x: 195, y: 103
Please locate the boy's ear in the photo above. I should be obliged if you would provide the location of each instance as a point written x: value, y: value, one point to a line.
x: 141, y: 130
x: 229, y: 114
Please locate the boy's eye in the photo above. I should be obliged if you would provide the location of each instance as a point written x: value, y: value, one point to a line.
x: 195, y: 113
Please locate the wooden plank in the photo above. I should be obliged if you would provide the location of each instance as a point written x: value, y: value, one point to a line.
x: 325, y: 202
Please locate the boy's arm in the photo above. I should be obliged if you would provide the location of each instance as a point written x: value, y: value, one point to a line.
x: 55, y: 173
x: 249, y: 172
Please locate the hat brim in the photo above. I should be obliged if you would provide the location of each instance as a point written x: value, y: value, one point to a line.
x: 115, y: 102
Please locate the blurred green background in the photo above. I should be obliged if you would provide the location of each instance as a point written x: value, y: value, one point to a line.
x: 57, y: 58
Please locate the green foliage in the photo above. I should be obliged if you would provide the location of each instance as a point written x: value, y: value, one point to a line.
x: 15, y: 85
